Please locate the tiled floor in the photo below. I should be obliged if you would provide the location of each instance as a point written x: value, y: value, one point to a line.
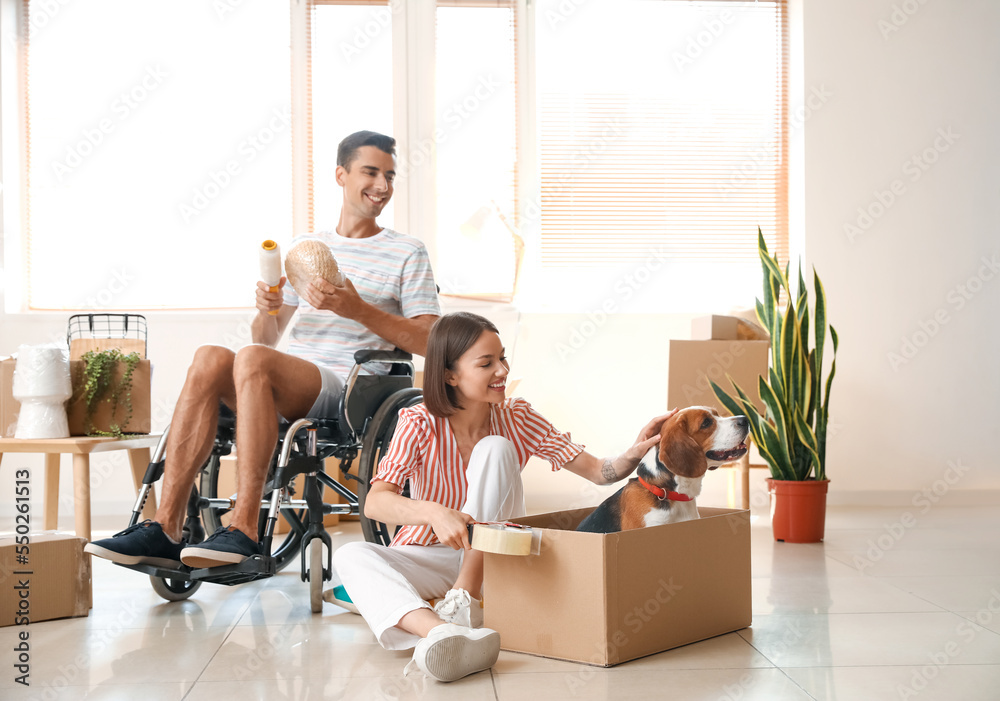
x: 878, y: 611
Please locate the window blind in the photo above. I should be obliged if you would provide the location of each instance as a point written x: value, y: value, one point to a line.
x: 662, y: 128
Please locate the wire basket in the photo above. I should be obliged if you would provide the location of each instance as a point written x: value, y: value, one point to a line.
x: 86, y: 332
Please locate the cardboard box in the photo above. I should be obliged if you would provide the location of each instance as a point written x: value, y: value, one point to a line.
x: 9, y: 407
x: 690, y: 365
x: 604, y: 599
x: 103, y: 418
x: 714, y: 328
x: 727, y: 328
x: 55, y: 582
x: 141, y: 421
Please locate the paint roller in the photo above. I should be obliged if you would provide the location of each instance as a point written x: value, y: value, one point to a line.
x: 270, y: 267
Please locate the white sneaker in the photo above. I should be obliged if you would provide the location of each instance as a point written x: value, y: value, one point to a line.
x: 460, y: 608
x: 451, y: 652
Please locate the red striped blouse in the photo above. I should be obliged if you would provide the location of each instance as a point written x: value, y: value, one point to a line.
x: 424, y: 450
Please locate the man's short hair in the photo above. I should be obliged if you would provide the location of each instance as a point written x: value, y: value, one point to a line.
x: 450, y: 337
x: 348, y: 149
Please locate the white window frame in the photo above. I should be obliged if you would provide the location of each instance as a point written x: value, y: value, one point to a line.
x: 413, y: 121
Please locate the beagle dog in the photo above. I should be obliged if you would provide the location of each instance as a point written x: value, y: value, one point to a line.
x: 692, y: 441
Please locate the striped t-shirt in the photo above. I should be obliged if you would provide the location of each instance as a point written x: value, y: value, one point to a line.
x: 389, y: 270
x: 424, y: 450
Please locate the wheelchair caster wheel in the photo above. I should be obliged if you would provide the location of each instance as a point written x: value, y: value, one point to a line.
x: 174, y: 589
x: 316, y: 575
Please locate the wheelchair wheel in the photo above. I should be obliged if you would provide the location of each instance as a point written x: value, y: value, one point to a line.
x: 285, y: 551
x: 316, y: 575
x: 174, y: 589
x: 373, y: 447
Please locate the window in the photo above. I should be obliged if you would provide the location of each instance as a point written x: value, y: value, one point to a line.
x: 476, y: 137
x: 662, y: 149
x: 158, y: 151
x: 627, y: 150
x: 352, y: 89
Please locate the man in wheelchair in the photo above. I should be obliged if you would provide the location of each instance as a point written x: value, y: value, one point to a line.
x: 389, y: 300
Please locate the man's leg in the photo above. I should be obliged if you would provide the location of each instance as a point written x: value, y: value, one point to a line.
x: 192, y: 431
x: 193, y: 427
x: 268, y: 383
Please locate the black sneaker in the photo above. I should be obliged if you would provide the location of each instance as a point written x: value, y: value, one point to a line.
x: 141, y: 544
x: 227, y: 546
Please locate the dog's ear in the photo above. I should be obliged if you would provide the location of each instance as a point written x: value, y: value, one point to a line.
x: 681, y: 453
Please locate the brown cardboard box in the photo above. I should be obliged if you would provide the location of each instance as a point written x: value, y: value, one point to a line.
x: 690, y: 365
x: 9, y: 407
x: 141, y: 415
x: 103, y: 418
x: 55, y: 582
x: 714, y: 328
x: 603, y: 599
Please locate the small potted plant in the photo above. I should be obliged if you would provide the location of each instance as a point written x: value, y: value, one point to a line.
x: 791, y: 432
x: 107, y: 378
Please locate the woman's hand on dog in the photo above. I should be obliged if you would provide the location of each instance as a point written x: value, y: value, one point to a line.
x: 451, y: 527
x: 648, y: 437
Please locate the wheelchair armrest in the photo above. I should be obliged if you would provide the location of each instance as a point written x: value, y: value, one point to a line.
x: 384, y: 356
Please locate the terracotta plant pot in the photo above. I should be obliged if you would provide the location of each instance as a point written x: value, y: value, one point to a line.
x: 798, y: 510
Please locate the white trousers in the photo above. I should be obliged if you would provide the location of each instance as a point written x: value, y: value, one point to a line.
x: 387, y: 583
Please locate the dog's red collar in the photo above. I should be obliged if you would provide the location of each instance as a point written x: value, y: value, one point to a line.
x: 661, y: 493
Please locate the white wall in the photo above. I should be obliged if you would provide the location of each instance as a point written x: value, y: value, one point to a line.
x: 899, y: 82
x: 898, y: 429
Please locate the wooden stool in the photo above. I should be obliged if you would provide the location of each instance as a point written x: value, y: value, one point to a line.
x: 742, y: 470
x: 80, y: 447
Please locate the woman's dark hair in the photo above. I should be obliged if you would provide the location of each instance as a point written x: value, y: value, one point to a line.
x: 347, y: 151
x: 450, y: 337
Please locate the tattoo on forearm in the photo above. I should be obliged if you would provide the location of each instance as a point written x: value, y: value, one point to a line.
x: 608, y: 470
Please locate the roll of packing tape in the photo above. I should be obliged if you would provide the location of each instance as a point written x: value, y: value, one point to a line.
x: 500, y: 539
x: 270, y: 266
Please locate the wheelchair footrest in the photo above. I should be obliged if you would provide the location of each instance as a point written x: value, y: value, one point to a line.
x: 256, y: 567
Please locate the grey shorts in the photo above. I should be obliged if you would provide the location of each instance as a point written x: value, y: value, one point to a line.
x: 327, y: 404
x: 328, y: 401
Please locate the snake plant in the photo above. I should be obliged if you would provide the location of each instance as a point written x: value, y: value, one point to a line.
x: 791, y: 432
